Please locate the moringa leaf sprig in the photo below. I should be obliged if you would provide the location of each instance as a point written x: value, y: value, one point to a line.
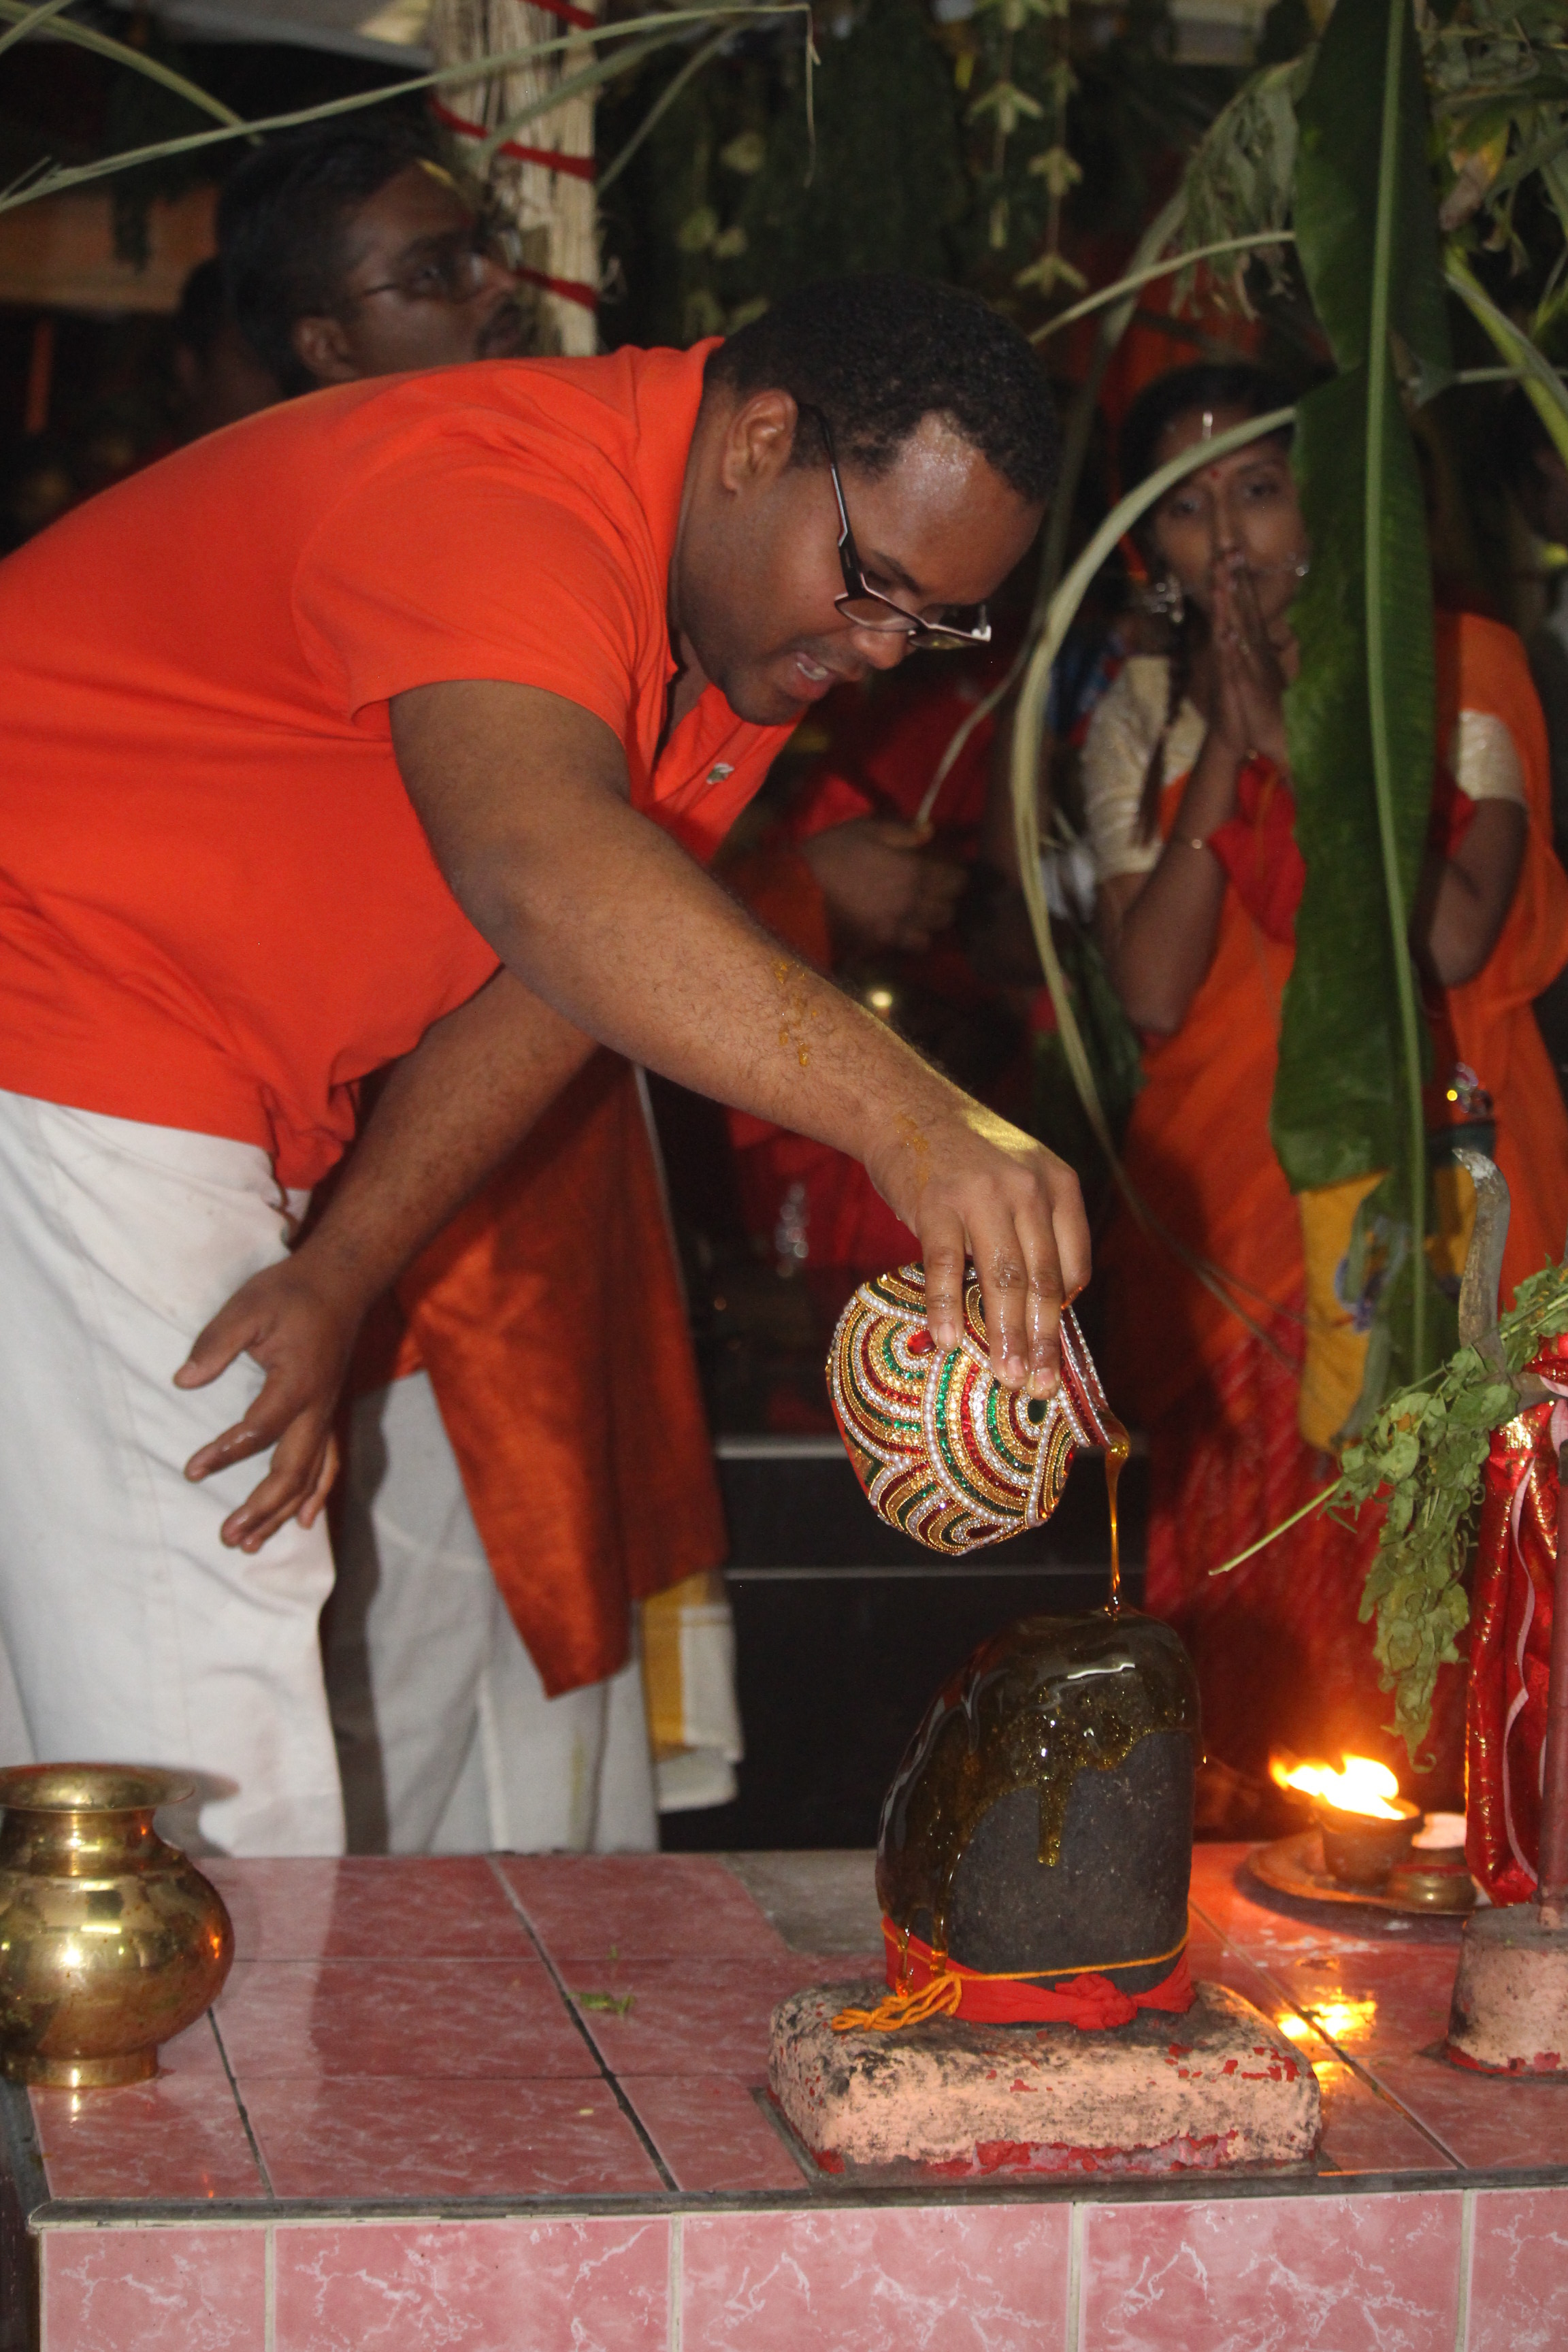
x: 1423, y: 1452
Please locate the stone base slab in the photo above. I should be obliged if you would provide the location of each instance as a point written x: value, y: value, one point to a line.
x: 1510, y: 1995
x: 1219, y: 2087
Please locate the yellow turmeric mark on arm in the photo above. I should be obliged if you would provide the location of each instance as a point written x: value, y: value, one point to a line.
x: 796, y: 986
x: 916, y: 1141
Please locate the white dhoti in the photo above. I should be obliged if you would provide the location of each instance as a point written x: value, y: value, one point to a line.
x: 135, y: 1635
x: 446, y: 1738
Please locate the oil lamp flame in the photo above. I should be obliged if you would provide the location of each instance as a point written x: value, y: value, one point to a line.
x: 1362, y: 1786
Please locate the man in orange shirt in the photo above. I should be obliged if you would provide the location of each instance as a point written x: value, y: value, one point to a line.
x: 385, y: 727
x: 502, y: 1510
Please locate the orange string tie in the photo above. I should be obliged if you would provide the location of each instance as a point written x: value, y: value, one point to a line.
x: 939, y: 1997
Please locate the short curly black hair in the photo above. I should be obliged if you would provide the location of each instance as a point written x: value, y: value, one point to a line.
x: 876, y: 354
x: 280, y: 222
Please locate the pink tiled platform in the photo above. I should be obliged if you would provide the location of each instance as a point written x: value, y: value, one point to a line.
x: 516, y: 2106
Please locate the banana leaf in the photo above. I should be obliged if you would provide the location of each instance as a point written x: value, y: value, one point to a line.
x: 1343, y: 164
x: 1338, y: 1095
x: 1360, y: 719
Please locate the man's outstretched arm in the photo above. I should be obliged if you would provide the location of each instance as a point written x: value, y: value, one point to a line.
x: 448, y: 1115
x: 595, y: 909
x: 523, y: 795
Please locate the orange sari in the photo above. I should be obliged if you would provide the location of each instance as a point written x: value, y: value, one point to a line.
x: 1281, y: 1658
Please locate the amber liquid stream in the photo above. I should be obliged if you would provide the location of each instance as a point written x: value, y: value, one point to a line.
x: 1116, y: 1453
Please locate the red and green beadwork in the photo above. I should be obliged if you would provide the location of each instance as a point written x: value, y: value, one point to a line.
x: 944, y: 1452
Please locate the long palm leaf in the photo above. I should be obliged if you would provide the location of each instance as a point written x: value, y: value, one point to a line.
x: 32, y: 20
x: 666, y: 24
x: 1169, y: 267
x: 1075, y: 451
x: 22, y: 19
x: 1381, y: 391
x: 1028, y: 736
x: 1542, y: 384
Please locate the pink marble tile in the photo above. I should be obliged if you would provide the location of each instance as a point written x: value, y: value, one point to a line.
x: 644, y: 1906
x: 416, y: 2018
x: 426, y: 1906
x: 711, y: 2133
x: 129, y: 2290
x: 938, y: 2278
x: 516, y: 2285
x: 1222, y: 1895
x: 1234, y: 1906
x: 1485, y: 2121
x: 180, y: 2136
x: 1375, y: 2273
x: 1369, y: 2001
x: 1364, y: 2130
x: 684, y: 2019
x: 195, y: 2052
x: 1518, y: 2272
x: 348, y: 2136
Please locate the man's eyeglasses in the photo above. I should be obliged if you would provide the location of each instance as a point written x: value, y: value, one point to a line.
x: 866, y: 605
x: 451, y: 269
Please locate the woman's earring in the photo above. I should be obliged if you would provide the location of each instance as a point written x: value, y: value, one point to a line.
x: 1302, y: 565
x: 1164, y: 597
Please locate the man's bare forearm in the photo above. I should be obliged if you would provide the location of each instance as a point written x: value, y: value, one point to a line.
x: 607, y: 917
x: 448, y: 1115
x: 522, y: 794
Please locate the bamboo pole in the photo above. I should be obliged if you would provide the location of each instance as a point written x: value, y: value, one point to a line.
x: 497, y: 129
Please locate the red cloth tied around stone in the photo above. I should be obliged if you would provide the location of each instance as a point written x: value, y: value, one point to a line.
x: 1089, y: 2001
x: 1511, y: 1602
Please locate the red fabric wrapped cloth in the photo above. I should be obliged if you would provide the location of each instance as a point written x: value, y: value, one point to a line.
x: 1256, y: 847
x: 1511, y: 1602
x: 918, y: 1989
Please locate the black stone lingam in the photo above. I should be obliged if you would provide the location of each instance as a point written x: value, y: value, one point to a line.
x: 1041, y: 1820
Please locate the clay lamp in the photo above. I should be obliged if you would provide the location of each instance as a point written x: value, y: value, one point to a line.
x: 1368, y: 1827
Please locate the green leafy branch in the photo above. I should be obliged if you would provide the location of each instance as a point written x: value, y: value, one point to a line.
x: 1422, y: 1455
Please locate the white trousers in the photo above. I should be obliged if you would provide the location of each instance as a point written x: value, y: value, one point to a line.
x: 133, y: 1634
x: 446, y: 1741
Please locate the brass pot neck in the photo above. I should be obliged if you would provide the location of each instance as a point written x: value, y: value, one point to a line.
x: 91, y: 1844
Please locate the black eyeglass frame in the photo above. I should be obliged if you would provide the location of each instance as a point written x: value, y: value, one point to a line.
x: 857, y: 585
x: 479, y: 245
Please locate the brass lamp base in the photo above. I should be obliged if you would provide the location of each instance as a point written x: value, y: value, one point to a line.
x: 79, y: 2073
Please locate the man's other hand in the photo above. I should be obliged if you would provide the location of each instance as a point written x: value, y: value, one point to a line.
x: 882, y: 889
x: 300, y: 1334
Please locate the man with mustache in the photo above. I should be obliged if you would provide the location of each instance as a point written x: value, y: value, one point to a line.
x: 394, y: 725
x: 348, y: 251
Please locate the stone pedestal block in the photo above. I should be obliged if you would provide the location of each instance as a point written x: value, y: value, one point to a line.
x: 1219, y: 2087
x: 1510, y: 1995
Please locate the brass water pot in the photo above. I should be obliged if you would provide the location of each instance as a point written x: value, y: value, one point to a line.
x: 110, y: 1941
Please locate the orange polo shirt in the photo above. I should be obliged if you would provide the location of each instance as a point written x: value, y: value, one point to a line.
x: 219, y: 909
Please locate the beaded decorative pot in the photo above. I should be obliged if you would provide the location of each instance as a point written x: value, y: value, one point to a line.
x: 944, y: 1452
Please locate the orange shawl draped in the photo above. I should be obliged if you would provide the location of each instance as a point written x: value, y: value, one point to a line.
x: 1198, y: 1148
x: 550, y: 1318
